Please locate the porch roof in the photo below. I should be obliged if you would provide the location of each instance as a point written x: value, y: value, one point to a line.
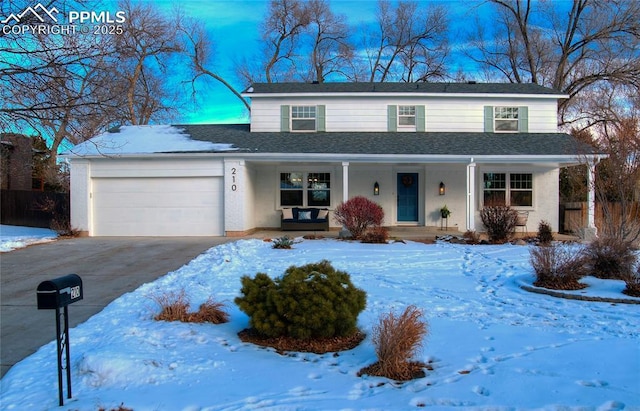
x: 537, y: 146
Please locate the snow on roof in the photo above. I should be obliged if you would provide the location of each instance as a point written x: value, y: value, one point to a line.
x: 144, y: 140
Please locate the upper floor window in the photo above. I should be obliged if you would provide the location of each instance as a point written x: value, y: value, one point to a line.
x: 303, y: 118
x: 506, y: 119
x: 406, y: 116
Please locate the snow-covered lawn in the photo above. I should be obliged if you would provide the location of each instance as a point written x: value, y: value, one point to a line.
x: 493, y: 345
x: 12, y: 237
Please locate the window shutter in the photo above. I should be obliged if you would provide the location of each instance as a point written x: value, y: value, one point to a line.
x: 488, y: 119
x: 284, y: 118
x: 320, y: 118
x: 523, y: 119
x: 392, y: 118
x: 420, y: 119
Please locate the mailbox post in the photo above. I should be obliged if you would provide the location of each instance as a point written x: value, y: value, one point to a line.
x: 57, y: 294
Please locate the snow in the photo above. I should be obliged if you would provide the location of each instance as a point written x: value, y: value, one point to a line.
x: 13, y: 237
x: 144, y: 140
x: 493, y: 345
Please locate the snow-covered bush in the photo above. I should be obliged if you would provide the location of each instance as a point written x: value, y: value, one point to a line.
x: 358, y: 214
x: 311, y: 301
x: 500, y: 221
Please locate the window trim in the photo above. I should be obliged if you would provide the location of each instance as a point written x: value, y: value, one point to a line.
x: 508, y: 189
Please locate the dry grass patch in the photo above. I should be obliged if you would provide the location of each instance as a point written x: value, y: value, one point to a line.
x: 174, y: 306
x: 397, y: 339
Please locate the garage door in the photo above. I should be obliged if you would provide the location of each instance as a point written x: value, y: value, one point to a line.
x: 186, y: 206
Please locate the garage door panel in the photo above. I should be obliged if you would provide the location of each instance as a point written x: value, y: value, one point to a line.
x: 158, y: 206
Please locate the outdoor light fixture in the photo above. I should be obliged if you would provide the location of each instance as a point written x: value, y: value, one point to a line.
x: 376, y: 189
x: 441, y: 189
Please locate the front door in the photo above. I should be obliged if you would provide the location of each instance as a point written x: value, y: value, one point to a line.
x: 407, y: 197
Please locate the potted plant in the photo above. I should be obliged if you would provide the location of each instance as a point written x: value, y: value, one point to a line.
x: 444, y: 212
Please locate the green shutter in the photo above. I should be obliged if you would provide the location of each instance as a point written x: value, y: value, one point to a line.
x: 523, y: 119
x: 420, y: 119
x: 392, y: 118
x: 488, y: 119
x: 284, y: 118
x: 320, y: 119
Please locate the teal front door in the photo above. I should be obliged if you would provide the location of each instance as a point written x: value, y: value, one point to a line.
x: 407, y: 197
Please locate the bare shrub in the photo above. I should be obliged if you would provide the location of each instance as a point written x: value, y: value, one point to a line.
x: 557, y: 267
x: 174, y: 306
x: 610, y: 258
x: 500, y: 221
x: 397, y: 340
x: 210, y: 312
x: 376, y: 235
x: 633, y: 284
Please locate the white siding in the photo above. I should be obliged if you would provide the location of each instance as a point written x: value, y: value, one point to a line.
x: 443, y: 114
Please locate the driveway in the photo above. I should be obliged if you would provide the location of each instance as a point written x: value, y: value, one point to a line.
x: 108, y: 266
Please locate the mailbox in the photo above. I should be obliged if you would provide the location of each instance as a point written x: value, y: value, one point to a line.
x: 59, y: 292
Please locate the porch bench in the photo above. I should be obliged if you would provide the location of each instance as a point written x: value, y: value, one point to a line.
x: 301, y: 219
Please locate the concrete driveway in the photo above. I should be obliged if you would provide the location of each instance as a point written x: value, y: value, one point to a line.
x: 108, y: 266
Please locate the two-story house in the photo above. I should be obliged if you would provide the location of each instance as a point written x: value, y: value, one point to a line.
x: 411, y: 147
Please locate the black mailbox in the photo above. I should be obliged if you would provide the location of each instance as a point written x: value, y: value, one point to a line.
x: 59, y: 292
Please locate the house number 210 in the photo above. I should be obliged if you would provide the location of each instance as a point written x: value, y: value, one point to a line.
x: 234, y: 187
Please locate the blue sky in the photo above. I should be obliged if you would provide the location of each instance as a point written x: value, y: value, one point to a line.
x: 234, y: 27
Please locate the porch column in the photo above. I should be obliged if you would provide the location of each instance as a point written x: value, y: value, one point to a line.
x: 471, y: 195
x: 591, y: 196
x: 345, y: 181
x: 235, y: 197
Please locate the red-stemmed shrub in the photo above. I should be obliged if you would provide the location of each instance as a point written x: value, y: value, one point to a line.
x: 358, y: 214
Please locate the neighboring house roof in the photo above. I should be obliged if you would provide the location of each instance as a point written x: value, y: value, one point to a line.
x: 403, y: 88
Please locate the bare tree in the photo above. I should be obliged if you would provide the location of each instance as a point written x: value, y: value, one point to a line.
x: 410, y: 44
x: 144, y: 49
x: 572, y: 49
x: 617, y: 179
x: 199, y: 50
x: 330, y: 50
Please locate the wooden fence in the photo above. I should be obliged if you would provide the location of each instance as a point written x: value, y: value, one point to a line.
x: 575, y: 215
x: 33, y: 208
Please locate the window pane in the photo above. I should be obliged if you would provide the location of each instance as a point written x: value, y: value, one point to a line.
x: 521, y: 181
x: 506, y: 125
x: 407, y: 110
x: 291, y: 197
x: 406, y: 121
x: 318, y: 181
x: 495, y: 181
x: 521, y: 198
x: 290, y: 180
x: 318, y: 198
x: 493, y: 198
x: 308, y: 125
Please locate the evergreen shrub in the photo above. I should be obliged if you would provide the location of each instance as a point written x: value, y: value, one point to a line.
x: 310, y: 301
x: 545, y: 235
x: 358, y: 214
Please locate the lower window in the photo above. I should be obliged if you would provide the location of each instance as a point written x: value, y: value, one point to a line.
x: 513, y: 189
x: 301, y: 189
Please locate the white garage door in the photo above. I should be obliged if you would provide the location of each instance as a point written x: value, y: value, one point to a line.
x: 186, y: 206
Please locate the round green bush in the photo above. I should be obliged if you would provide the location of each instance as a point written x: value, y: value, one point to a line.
x: 310, y: 301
